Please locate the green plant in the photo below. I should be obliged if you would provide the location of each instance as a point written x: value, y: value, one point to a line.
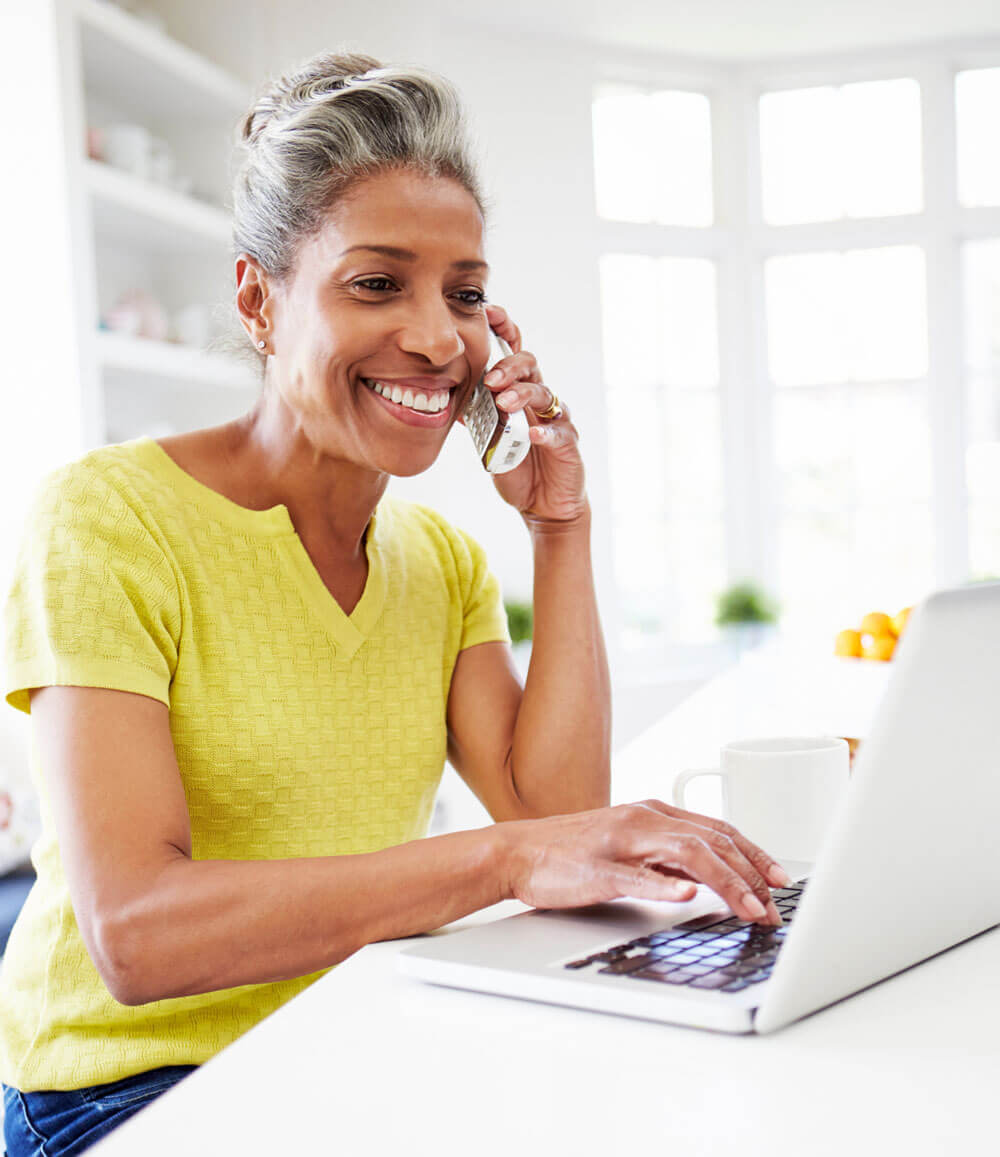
x: 745, y: 603
x: 520, y: 620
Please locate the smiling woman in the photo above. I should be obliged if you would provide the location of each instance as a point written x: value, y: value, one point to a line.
x: 245, y: 663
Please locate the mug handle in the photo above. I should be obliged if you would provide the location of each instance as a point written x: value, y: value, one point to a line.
x: 685, y: 778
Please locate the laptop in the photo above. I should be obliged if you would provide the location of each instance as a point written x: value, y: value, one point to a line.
x: 908, y: 868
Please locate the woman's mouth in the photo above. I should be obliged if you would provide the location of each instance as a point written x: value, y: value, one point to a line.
x: 414, y: 407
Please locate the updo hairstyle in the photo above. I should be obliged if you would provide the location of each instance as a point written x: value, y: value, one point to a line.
x: 313, y: 134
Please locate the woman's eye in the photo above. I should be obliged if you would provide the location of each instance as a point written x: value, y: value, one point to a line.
x: 374, y: 283
x: 381, y: 285
x: 471, y: 296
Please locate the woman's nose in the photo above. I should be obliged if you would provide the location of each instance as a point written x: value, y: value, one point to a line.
x: 431, y: 332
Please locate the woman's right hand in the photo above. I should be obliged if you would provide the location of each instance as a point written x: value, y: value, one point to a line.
x: 647, y: 850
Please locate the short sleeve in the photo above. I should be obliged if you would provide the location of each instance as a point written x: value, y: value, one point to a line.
x: 484, y: 619
x: 93, y: 600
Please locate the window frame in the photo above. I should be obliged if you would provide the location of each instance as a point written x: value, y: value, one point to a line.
x: 739, y: 242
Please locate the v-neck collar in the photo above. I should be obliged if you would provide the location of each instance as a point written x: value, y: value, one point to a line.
x: 346, y: 632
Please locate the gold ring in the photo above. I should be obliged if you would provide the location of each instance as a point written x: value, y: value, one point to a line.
x: 554, y: 410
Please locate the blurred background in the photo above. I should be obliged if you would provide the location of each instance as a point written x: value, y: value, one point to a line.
x: 755, y: 244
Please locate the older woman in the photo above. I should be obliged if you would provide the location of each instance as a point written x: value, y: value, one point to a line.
x: 246, y: 663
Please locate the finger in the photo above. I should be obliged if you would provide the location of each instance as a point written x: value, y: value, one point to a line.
x: 644, y: 883
x: 765, y: 864
x: 552, y: 435
x: 500, y: 322
x: 726, y: 849
x: 515, y: 371
x: 705, y: 855
x: 694, y: 855
x: 533, y: 395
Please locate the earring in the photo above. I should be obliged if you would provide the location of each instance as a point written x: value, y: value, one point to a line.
x: 262, y: 343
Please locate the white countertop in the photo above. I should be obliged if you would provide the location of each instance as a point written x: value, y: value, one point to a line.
x: 367, y: 1061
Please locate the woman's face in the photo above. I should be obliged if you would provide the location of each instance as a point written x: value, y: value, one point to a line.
x: 390, y: 291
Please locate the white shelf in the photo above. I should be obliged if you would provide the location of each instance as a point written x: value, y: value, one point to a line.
x: 142, y: 362
x: 145, y: 214
x: 155, y: 76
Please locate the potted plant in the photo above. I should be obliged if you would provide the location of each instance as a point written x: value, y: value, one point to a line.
x: 520, y: 623
x: 746, y: 614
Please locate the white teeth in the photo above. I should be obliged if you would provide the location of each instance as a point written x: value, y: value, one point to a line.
x: 422, y: 403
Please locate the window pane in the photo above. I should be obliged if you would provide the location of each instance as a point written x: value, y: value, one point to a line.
x: 850, y: 151
x: 631, y: 320
x: 837, y: 565
x: 689, y: 351
x: 855, y: 474
x: 852, y: 446
x: 653, y: 156
x: 977, y: 101
x: 981, y: 265
x: 636, y: 458
x: 669, y: 575
x: 664, y: 435
x: 858, y: 316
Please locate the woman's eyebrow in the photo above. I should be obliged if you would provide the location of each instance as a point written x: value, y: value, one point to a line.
x: 409, y: 255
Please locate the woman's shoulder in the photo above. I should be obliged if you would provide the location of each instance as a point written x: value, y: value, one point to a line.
x: 106, y: 491
x: 112, y: 464
x: 418, y: 520
x: 416, y: 528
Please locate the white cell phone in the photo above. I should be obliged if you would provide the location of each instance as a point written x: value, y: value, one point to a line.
x: 501, y: 439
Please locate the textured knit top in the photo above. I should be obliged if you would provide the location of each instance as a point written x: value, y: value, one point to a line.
x: 299, y: 730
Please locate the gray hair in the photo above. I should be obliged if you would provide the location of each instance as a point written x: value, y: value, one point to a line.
x: 314, y: 134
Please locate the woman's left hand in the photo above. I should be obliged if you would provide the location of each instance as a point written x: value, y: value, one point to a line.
x: 548, y: 486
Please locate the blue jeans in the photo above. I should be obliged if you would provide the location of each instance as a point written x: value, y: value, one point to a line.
x: 58, y: 1124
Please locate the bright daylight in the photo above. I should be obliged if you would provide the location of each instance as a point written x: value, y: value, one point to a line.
x: 500, y: 577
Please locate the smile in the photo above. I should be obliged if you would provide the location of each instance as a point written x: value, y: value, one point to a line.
x: 424, y: 402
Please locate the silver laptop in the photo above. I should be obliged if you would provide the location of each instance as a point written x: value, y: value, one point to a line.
x: 908, y: 868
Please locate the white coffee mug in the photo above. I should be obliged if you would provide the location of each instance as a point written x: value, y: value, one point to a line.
x: 780, y: 793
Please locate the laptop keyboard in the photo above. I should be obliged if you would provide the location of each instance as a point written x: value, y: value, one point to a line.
x: 728, y: 955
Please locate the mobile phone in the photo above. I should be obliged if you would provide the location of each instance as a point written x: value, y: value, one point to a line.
x: 501, y: 439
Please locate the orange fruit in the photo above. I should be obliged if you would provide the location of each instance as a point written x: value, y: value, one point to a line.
x: 848, y: 644
x: 899, y: 621
x: 878, y: 646
x: 876, y: 623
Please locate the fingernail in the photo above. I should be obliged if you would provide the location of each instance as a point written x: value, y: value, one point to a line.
x: 774, y: 914
x: 507, y: 398
x: 778, y: 876
x: 753, y: 905
x: 492, y: 377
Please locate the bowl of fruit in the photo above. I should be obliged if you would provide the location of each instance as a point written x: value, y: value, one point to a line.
x: 874, y: 639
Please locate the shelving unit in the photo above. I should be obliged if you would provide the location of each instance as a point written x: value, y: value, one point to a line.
x: 131, y: 233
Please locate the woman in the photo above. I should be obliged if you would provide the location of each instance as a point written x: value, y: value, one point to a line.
x: 246, y: 664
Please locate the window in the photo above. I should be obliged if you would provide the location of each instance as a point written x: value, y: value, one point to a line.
x: 852, y: 151
x: 653, y: 156
x: 981, y: 268
x: 653, y: 166
x: 661, y: 369
x: 977, y: 104
x: 783, y: 370
x: 847, y: 338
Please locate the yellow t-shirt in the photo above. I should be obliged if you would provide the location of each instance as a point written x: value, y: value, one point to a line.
x: 299, y: 730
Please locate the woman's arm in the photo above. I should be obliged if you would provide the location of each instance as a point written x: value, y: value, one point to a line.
x: 159, y: 924
x: 545, y: 750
